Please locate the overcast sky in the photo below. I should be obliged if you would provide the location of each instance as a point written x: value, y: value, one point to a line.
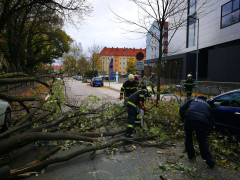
x: 101, y: 30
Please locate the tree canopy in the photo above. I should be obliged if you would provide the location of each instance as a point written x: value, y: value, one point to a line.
x: 31, y: 31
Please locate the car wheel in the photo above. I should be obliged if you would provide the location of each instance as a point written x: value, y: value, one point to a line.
x: 7, y: 120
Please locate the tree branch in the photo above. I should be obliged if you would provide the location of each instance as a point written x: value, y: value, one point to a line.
x: 12, y: 143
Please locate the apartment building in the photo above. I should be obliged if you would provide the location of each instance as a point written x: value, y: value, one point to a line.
x: 120, y: 56
x: 152, y: 44
x: 208, y: 46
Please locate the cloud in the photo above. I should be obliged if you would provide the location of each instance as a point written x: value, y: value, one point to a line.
x: 101, y: 29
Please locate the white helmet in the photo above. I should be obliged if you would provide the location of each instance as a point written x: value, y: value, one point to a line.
x: 189, y: 75
x: 149, y: 91
x: 130, y: 76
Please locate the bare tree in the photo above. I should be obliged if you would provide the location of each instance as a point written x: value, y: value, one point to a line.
x: 94, y: 56
x: 160, y: 12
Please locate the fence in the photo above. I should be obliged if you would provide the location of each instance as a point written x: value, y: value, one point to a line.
x: 205, y: 90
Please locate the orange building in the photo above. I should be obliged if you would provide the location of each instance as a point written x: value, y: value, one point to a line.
x: 121, y: 57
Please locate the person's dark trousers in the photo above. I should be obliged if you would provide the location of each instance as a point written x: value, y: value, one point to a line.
x: 189, y: 94
x: 153, y: 88
x: 201, y: 129
x: 132, y: 116
x: 137, y: 122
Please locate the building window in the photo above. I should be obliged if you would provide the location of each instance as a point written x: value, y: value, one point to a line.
x: 191, y: 23
x: 115, y: 65
x: 230, y: 13
x: 115, y: 60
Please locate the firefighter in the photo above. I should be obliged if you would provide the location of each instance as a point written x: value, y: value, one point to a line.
x: 153, y: 81
x: 196, y: 115
x: 189, y: 85
x: 136, y: 78
x: 144, y: 82
x: 129, y: 87
x: 134, y: 102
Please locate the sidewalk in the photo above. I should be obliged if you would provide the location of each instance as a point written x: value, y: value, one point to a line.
x: 165, y: 97
x: 113, y: 85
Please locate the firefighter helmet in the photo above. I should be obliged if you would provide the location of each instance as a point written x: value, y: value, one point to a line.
x: 130, y: 77
x: 149, y: 91
x: 189, y: 75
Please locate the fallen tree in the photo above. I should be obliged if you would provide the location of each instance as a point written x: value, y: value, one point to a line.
x: 63, y: 123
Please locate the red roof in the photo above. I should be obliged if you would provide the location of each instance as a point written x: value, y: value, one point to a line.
x: 57, y: 67
x: 121, y: 51
x: 54, y: 66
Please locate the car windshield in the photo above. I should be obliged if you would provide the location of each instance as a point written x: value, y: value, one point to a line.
x: 232, y: 99
x: 97, y: 79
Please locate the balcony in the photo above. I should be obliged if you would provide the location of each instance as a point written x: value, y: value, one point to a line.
x: 165, y: 43
x: 165, y: 51
x: 165, y: 34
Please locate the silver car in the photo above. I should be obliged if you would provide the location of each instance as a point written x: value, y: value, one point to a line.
x: 5, y: 115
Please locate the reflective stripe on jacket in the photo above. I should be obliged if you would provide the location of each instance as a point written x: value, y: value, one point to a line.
x: 129, y: 88
x: 189, y: 85
x: 135, y: 99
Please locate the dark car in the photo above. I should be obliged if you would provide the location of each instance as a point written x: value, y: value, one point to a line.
x: 96, y: 81
x: 226, y: 110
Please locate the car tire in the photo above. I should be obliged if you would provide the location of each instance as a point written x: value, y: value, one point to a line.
x: 7, y: 120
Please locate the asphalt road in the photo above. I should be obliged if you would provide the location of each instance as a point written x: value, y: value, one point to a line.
x: 76, y: 90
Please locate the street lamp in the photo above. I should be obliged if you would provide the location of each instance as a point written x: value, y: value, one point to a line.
x: 193, y: 17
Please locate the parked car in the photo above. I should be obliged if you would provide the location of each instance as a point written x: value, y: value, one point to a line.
x: 226, y: 111
x: 5, y: 115
x: 96, y: 81
x: 77, y: 77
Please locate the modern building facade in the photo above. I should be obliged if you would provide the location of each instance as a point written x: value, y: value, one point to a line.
x: 121, y: 58
x: 209, y: 45
x: 152, y: 44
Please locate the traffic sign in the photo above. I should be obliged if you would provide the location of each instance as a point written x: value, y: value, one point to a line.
x: 139, y: 65
x: 139, y: 56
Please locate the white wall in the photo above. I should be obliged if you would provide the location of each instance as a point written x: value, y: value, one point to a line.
x: 210, y: 32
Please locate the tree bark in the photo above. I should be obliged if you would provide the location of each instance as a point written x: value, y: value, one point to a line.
x: 24, y: 79
x: 16, y: 99
x: 24, y: 139
x: 10, y: 75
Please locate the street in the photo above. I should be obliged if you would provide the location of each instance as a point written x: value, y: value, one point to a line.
x: 78, y: 90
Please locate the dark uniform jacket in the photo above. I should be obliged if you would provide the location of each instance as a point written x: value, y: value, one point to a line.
x: 137, y: 99
x: 153, y: 80
x: 129, y: 88
x: 196, y: 109
x: 189, y: 85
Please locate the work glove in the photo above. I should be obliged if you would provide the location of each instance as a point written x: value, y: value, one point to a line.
x: 121, y: 97
x: 145, y: 109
